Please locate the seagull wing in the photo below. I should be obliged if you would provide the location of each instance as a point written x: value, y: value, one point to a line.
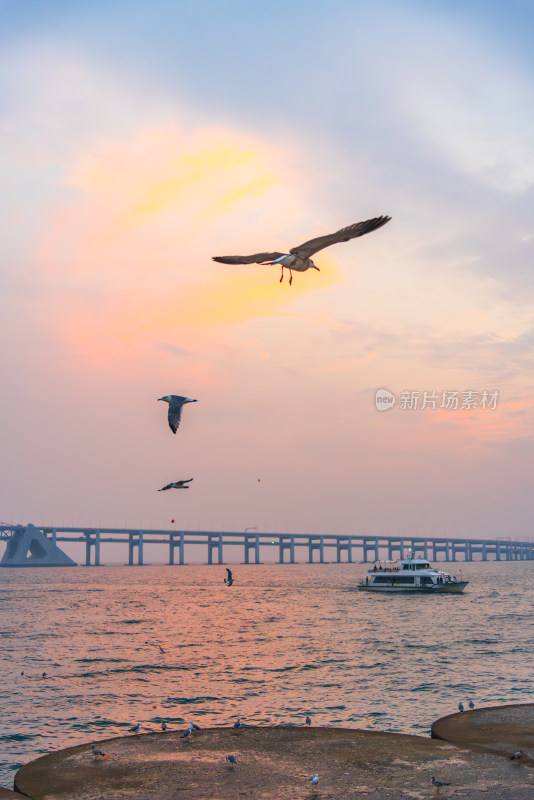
x: 175, y: 413
x: 229, y: 574
x: 169, y: 486
x: 187, y: 481
x: 307, y: 249
x: 257, y: 258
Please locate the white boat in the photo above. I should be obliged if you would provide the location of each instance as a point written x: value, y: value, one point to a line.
x: 410, y: 575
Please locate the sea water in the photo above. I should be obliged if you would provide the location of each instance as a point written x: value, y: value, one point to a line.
x: 81, y: 650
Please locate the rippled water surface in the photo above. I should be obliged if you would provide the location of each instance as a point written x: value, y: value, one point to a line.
x: 282, y: 642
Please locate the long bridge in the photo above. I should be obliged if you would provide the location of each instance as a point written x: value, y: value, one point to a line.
x: 316, y: 548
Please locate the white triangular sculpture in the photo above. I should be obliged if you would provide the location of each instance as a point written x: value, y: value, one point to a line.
x: 29, y: 547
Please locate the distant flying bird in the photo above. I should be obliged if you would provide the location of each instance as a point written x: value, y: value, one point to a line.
x: 471, y: 704
x: 315, y: 780
x: 161, y: 650
x: 308, y: 721
x: 461, y: 706
x: 517, y: 754
x: 176, y: 485
x: 229, y: 579
x: 231, y: 759
x: 438, y: 783
x: 299, y: 257
x: 176, y: 403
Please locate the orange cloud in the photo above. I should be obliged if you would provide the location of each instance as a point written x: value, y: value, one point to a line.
x: 136, y: 240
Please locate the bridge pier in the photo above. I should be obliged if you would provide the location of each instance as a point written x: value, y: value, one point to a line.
x: 173, y: 544
x: 440, y: 546
x: 215, y: 543
x: 313, y: 544
x: 284, y: 545
x: 395, y: 546
x: 252, y: 543
x: 342, y: 545
x: 135, y: 540
x: 373, y: 547
x: 90, y: 543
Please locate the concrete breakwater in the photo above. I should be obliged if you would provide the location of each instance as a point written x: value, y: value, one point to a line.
x: 278, y: 763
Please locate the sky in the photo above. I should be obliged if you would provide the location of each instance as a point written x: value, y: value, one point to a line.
x: 138, y: 140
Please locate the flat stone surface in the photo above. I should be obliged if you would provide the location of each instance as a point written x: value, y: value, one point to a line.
x: 7, y: 794
x: 273, y: 764
x: 499, y: 729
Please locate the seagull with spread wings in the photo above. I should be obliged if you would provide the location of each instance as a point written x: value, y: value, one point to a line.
x: 176, y: 403
x: 176, y: 485
x: 299, y: 258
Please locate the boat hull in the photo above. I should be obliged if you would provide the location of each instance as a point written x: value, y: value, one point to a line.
x: 440, y: 588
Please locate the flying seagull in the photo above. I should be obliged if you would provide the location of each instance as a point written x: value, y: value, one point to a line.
x: 176, y: 485
x: 299, y: 257
x: 176, y: 403
x: 230, y: 578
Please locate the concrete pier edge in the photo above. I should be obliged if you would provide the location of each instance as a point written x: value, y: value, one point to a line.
x: 279, y: 762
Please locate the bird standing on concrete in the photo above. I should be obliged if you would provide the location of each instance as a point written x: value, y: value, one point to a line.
x: 437, y: 783
x: 299, y: 257
x: 98, y: 753
x: 232, y: 760
x: 315, y: 780
x: 164, y: 726
x: 471, y: 704
x: 188, y: 732
x: 176, y: 485
x: 135, y: 728
x: 461, y: 706
x: 176, y: 403
x: 237, y: 725
x: 308, y: 720
x: 518, y: 754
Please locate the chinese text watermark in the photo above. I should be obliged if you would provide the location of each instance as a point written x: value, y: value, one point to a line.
x: 447, y: 400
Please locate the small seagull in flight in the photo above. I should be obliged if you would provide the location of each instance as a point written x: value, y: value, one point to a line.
x: 299, y: 257
x: 176, y: 403
x: 232, y: 760
x: 516, y: 755
x: 229, y: 577
x: 461, y: 706
x: 176, y: 485
x: 161, y: 650
x: 135, y: 728
x: 315, y: 780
